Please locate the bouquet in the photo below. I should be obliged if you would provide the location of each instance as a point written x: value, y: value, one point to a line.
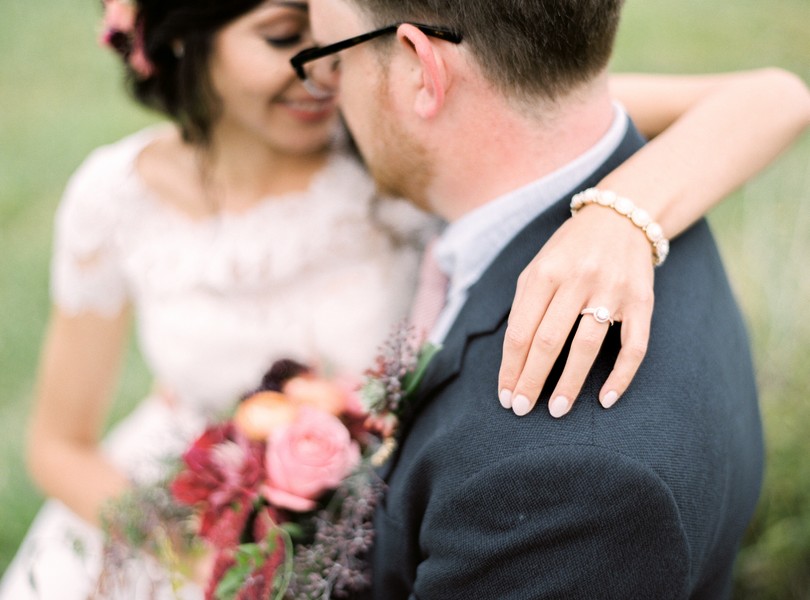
x: 284, y: 491
x: 280, y: 496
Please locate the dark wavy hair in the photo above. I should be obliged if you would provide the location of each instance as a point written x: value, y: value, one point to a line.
x: 177, y: 39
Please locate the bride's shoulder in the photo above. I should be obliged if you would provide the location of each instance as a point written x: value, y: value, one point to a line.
x: 118, y: 158
x: 106, y: 183
x: 109, y: 169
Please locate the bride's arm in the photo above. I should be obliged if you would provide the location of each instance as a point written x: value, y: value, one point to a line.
x: 78, y: 370
x: 711, y: 134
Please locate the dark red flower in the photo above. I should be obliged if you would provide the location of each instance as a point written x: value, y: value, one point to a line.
x: 223, y: 471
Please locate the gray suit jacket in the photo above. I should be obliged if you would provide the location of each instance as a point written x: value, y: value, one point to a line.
x: 649, y: 499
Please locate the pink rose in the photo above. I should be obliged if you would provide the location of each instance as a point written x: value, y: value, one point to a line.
x: 306, y: 458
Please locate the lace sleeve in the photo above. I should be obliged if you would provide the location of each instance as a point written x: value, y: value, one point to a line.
x: 86, y: 273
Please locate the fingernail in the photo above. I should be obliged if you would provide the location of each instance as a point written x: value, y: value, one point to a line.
x: 558, y: 407
x: 521, y: 406
x: 610, y: 399
x: 506, y: 398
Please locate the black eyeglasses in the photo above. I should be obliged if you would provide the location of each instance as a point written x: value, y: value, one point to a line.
x: 320, y: 76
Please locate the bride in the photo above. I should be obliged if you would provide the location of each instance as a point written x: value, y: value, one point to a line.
x: 247, y: 230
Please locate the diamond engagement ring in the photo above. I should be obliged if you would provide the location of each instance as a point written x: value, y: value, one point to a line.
x: 600, y: 313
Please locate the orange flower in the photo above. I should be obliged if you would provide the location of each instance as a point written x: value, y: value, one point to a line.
x: 262, y: 413
x: 324, y: 395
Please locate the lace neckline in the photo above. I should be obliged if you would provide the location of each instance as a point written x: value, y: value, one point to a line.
x: 323, y: 179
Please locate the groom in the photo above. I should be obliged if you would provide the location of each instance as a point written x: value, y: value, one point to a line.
x: 493, y: 114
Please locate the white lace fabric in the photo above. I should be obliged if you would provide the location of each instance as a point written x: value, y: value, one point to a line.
x: 310, y: 276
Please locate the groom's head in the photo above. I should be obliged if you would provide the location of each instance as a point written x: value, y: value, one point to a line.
x: 452, y: 73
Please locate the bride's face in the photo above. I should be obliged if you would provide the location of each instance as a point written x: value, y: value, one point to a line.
x: 259, y: 92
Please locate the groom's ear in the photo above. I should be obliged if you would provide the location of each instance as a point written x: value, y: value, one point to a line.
x: 430, y: 70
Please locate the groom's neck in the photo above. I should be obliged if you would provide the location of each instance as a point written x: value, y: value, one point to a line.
x: 507, y: 149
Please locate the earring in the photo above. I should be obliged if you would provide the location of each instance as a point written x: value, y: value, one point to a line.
x: 178, y: 49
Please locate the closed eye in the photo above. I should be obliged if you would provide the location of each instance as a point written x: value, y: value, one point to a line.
x: 285, y: 42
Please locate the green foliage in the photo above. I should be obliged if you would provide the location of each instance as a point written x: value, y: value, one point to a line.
x: 411, y: 380
x: 61, y: 96
x: 251, y: 557
x: 248, y: 558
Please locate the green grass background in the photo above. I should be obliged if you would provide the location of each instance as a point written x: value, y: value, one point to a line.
x: 60, y: 96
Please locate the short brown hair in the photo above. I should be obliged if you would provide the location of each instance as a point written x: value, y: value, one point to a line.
x: 525, y: 47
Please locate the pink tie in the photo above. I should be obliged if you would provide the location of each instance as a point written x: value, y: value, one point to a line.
x: 431, y: 293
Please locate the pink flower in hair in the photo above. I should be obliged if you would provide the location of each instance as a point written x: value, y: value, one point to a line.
x: 123, y: 33
x: 119, y: 17
x: 137, y: 58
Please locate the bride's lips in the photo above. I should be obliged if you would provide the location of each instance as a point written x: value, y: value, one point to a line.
x: 309, y: 109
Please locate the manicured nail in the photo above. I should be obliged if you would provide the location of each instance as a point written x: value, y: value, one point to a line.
x: 506, y: 398
x: 610, y: 399
x: 521, y: 406
x: 558, y: 407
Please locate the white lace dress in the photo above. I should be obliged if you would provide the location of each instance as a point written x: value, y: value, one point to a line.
x: 319, y: 276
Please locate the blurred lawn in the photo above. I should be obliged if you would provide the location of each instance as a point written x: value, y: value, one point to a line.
x: 60, y: 96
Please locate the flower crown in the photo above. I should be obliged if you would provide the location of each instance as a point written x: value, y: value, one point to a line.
x: 123, y: 33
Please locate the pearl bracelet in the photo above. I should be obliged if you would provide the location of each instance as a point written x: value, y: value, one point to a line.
x: 639, y: 217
